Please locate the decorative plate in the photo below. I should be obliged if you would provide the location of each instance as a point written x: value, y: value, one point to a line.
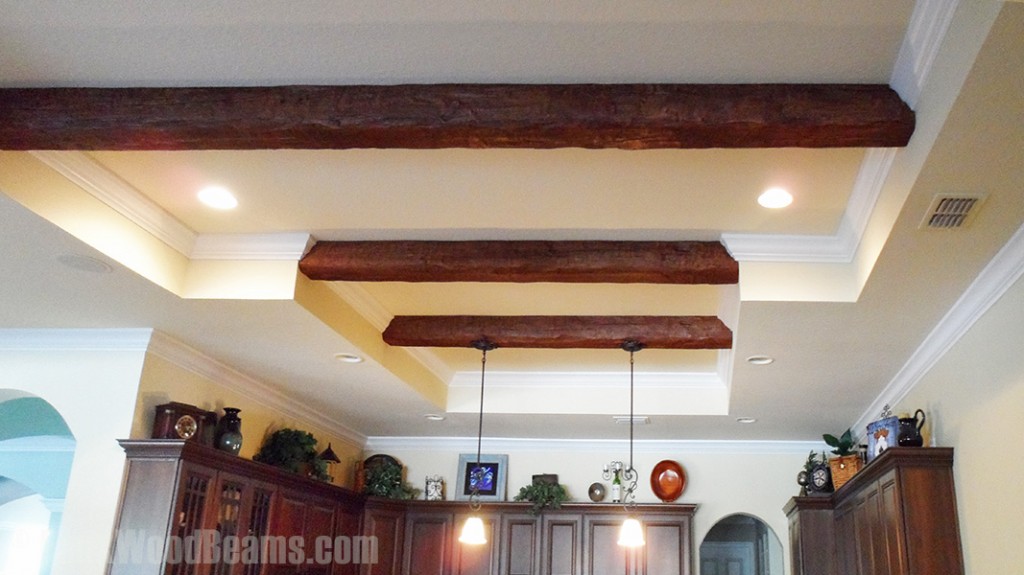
x: 668, y: 480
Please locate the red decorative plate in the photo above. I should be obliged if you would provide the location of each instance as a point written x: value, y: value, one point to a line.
x: 668, y: 480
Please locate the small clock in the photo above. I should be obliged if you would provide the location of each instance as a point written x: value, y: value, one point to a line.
x: 819, y: 480
x: 182, y: 421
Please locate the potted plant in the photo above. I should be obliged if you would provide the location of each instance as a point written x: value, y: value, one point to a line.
x: 543, y: 494
x: 295, y: 451
x: 847, y: 461
x: 385, y: 480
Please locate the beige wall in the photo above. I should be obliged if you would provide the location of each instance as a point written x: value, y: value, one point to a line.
x: 754, y: 479
x: 974, y: 398
x: 164, y: 381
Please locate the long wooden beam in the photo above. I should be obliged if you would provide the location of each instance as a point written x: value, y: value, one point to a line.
x: 560, y: 332
x: 522, y: 262
x: 626, y: 116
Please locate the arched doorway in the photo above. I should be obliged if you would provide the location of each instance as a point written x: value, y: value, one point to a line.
x: 741, y: 544
x: 36, y: 451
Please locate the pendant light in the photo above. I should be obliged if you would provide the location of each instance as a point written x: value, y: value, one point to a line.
x: 631, y: 534
x: 473, y: 528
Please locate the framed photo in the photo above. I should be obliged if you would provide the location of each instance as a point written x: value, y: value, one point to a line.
x: 882, y: 435
x: 493, y: 477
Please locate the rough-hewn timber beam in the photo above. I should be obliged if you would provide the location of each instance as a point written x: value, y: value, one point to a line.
x: 560, y: 332
x: 627, y: 116
x: 522, y: 262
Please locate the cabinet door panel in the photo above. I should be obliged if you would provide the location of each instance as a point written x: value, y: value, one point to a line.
x: 667, y: 551
x: 520, y: 545
x: 601, y: 551
x: 562, y: 542
x: 891, y: 524
x: 477, y: 559
x: 386, y: 525
x: 428, y: 544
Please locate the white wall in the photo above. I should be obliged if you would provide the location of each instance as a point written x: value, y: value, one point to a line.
x: 974, y: 399
x: 94, y: 388
x: 722, y: 478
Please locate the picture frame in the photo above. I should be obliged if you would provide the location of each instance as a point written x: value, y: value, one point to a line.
x: 881, y: 436
x: 493, y: 487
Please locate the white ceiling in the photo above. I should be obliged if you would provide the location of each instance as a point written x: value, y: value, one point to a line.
x: 842, y: 289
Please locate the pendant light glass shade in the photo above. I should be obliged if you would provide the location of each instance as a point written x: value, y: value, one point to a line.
x: 631, y: 534
x: 473, y: 531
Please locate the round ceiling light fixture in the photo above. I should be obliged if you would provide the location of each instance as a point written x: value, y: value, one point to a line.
x: 433, y: 417
x: 760, y: 360
x: 775, y: 198
x: 85, y: 263
x: 746, y: 420
x: 218, y: 198
x: 348, y: 358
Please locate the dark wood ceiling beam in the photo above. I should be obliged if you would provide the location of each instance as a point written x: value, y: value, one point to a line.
x: 560, y: 332
x: 522, y: 262
x: 626, y: 116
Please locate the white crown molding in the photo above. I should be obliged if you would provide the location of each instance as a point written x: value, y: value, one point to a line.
x: 262, y: 247
x: 998, y: 276
x: 513, y: 445
x: 586, y: 380
x: 107, y: 187
x: 75, y: 339
x: 364, y: 303
x: 839, y: 248
x: 928, y: 26
x: 195, y: 361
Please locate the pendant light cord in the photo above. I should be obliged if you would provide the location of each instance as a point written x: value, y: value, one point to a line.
x: 631, y: 352
x: 480, y: 424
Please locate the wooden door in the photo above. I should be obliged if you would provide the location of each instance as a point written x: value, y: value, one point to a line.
x: 891, y: 525
x: 477, y: 559
x: 846, y: 547
x: 519, y: 546
x: 667, y: 551
x: 427, y: 543
x: 561, y: 544
x: 386, y: 524
x: 347, y: 523
x: 601, y: 551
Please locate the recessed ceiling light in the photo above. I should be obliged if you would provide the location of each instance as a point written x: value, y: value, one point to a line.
x: 217, y: 198
x: 85, y: 264
x: 760, y: 360
x: 746, y: 420
x: 348, y: 358
x: 775, y: 198
x: 434, y: 417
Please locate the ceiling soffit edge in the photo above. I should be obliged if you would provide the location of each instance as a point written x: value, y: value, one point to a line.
x: 927, y: 28
x: 188, y: 358
x: 107, y: 187
x: 528, y: 445
x: 130, y: 339
x: 1005, y: 269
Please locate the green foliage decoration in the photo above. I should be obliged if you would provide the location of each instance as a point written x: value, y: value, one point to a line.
x: 295, y: 451
x: 543, y: 495
x: 385, y: 480
x: 842, y: 445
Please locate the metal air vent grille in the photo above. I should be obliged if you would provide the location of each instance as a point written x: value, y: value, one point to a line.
x: 948, y: 212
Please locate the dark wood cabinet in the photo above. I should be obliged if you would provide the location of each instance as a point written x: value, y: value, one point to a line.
x: 897, y: 516
x: 176, y: 491
x: 208, y: 508
x: 578, y: 539
x: 384, y: 522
